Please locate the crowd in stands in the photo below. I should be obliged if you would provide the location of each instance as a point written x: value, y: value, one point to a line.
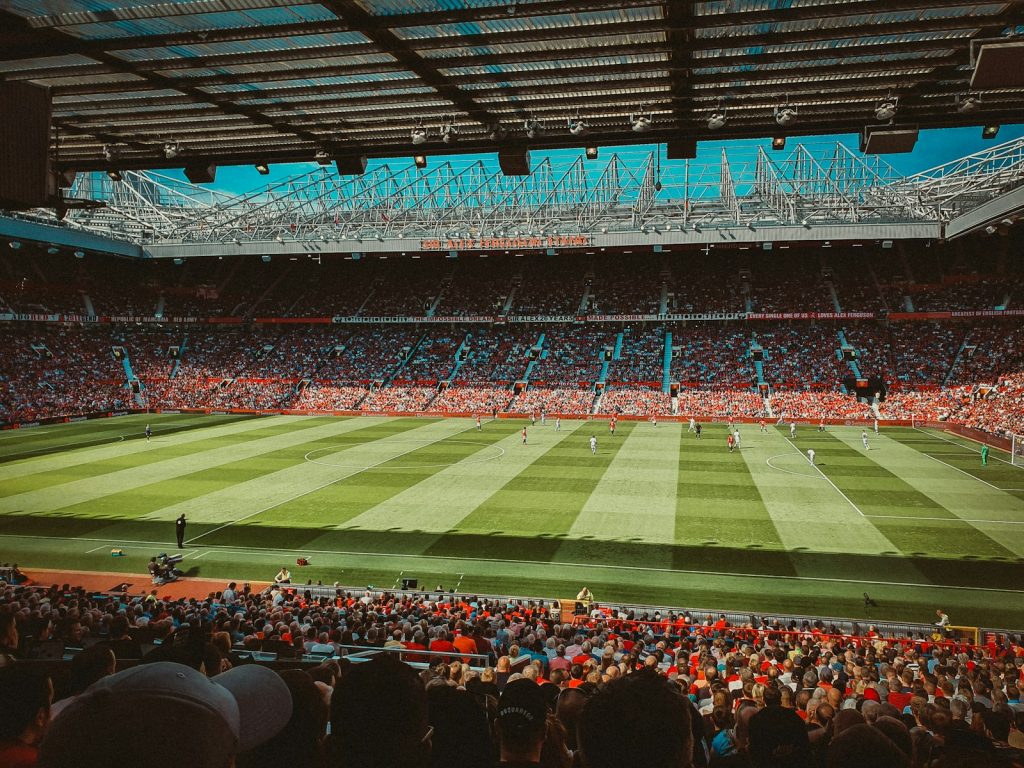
x: 329, y: 396
x: 573, y: 353
x: 463, y: 680
x: 497, y: 353
x: 771, y: 287
x: 720, y: 403
x: 399, y: 398
x: 635, y: 401
x: 478, y: 287
x: 801, y: 355
x: 642, y: 356
x: 434, y: 358
x: 553, y: 399
x: 818, y: 404
x: 712, y: 353
x: 548, y: 287
x: 621, y: 288
x: 478, y: 398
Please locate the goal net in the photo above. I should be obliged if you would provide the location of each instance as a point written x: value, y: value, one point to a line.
x: 1017, y: 450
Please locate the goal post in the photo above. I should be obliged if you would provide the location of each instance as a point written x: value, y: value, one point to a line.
x: 1017, y: 450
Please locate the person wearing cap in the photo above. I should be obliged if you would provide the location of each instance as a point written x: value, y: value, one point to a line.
x: 521, y: 724
x: 172, y: 713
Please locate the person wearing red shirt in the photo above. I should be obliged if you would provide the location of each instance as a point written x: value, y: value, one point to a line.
x: 442, y: 645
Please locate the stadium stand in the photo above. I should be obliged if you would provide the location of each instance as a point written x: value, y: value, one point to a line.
x: 330, y: 650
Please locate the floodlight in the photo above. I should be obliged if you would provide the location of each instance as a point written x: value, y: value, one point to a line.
x: 419, y: 134
x: 990, y: 230
x: 578, y: 126
x: 717, y: 120
x: 497, y: 132
x: 640, y: 122
x: 323, y: 157
x: 886, y: 108
x: 114, y: 174
x: 110, y: 152
x: 989, y: 131
x: 533, y: 128
x: 591, y: 153
x: 262, y: 169
x: 420, y: 160
x: 15, y: 244
x: 785, y: 115
x: 172, y: 149
x: 79, y: 254
x: 967, y: 103
x: 779, y: 142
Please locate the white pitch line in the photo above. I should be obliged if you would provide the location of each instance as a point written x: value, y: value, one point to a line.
x: 768, y: 461
x: 546, y: 564
x: 202, y: 554
x: 964, y: 472
x: 828, y: 480
x: 82, y: 444
x: 961, y: 445
x: 913, y: 518
x: 25, y: 433
x: 94, y: 549
x: 324, y: 485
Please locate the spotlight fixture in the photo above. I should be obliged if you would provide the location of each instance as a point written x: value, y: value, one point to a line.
x: 172, y: 149
x: 79, y: 254
x: 15, y: 245
x: 262, y: 169
x: 53, y: 250
x: 968, y: 103
x: 111, y: 152
x: 449, y: 131
x: 420, y: 160
x: 785, y: 115
x: 591, y: 153
x: 778, y: 142
x: 419, y: 134
x: 885, y: 110
x: 990, y: 230
x: 497, y: 132
x: 533, y: 128
x: 114, y: 175
x: 989, y: 131
x: 322, y: 157
x: 578, y: 126
x: 640, y: 122
x: 717, y: 119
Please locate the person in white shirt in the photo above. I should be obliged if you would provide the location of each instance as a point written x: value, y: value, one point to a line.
x: 943, y: 619
x: 810, y: 455
x: 736, y: 436
x: 558, y: 424
x: 693, y: 425
x: 864, y: 439
x: 593, y: 444
x: 792, y: 429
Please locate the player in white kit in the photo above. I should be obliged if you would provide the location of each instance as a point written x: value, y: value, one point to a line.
x: 864, y: 439
x: 810, y: 455
x: 792, y: 429
x: 593, y: 444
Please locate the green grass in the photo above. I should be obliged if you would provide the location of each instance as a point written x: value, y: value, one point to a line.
x: 656, y: 516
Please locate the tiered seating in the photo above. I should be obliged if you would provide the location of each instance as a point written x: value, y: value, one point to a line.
x: 773, y: 289
x: 710, y: 286
x: 635, y: 401
x: 399, y: 398
x: 434, y: 359
x: 328, y: 396
x: 574, y: 354
x: 997, y: 348
x: 498, y: 354
x: 552, y: 399
x: 924, y: 351
x: 625, y: 288
x: 712, y: 355
x: 642, y: 357
x: 999, y: 411
x: 854, y: 282
x: 801, y: 355
x: 923, y: 405
x: 370, y: 353
x: 818, y: 404
x: 473, y: 398
x: 406, y: 288
x: 719, y: 403
x: 549, y: 286
x: 478, y: 287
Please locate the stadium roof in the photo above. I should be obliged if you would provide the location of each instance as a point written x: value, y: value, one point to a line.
x: 254, y: 81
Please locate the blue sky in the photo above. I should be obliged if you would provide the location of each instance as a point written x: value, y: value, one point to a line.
x: 934, y: 147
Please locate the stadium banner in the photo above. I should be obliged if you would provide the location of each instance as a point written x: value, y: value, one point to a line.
x: 293, y: 320
x: 810, y: 315
x: 490, y: 242
x: 988, y: 313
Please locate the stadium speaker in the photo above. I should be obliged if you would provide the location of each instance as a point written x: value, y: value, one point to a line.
x: 998, y: 65
x: 888, y: 139
x: 25, y: 177
x: 201, y: 174
x: 514, y: 162
x: 350, y: 165
x: 681, y: 149
x: 410, y: 583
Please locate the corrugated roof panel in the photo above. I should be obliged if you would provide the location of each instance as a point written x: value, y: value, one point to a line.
x: 399, y: 7
x: 573, y: 21
x: 820, y: 61
x: 281, y: 66
x: 307, y: 82
x: 117, y: 96
x: 642, y: 41
x: 229, y: 47
x: 530, y: 66
x: 49, y: 62
x: 584, y: 77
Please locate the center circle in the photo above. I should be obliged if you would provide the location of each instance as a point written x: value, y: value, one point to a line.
x: 473, y: 459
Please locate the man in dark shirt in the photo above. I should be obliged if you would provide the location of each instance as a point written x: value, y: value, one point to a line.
x: 179, y: 530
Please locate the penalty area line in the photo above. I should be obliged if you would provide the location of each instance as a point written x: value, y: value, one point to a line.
x: 961, y: 445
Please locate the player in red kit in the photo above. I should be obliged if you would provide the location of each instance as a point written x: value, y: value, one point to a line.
x: 731, y: 441
x: 524, y: 435
x: 611, y: 425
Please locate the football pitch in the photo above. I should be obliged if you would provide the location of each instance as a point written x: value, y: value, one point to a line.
x: 656, y: 516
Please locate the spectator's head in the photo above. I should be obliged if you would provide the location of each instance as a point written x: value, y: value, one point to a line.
x: 379, y: 717
x: 522, y: 721
x: 89, y: 665
x: 461, y: 732
x: 299, y: 742
x: 25, y: 698
x: 8, y: 631
x: 639, y: 719
x: 862, y: 745
x: 171, y: 713
x: 778, y: 739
